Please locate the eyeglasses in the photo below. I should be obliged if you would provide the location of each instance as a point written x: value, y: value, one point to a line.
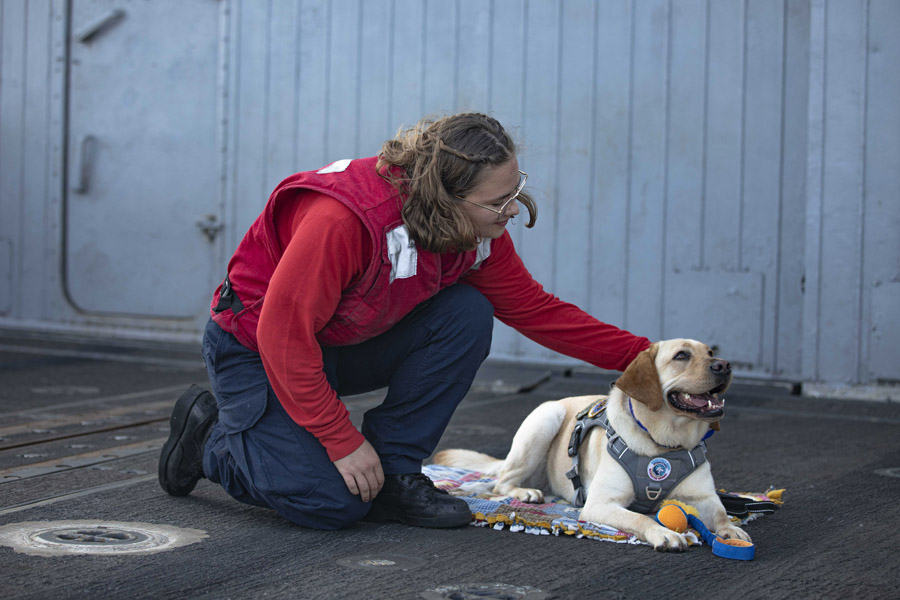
x: 523, y: 177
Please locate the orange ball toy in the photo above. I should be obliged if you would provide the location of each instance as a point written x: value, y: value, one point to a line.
x: 673, y: 517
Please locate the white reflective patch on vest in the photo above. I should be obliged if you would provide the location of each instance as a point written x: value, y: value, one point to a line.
x: 402, y: 252
x: 482, y: 252
x: 336, y: 167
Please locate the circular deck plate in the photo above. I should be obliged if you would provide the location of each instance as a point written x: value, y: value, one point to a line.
x: 381, y: 562
x: 483, y: 591
x: 59, y: 538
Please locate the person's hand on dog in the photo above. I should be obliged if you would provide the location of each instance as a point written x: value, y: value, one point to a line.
x: 361, y: 470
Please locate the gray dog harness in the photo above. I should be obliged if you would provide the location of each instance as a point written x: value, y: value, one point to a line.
x: 653, y: 477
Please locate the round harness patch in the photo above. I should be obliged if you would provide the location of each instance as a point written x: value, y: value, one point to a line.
x: 597, y: 408
x: 659, y: 469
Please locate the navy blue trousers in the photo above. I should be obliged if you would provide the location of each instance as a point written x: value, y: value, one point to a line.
x: 260, y: 456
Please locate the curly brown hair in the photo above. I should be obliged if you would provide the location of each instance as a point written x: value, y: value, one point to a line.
x: 440, y: 159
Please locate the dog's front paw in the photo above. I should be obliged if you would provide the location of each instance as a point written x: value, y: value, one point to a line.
x: 527, y: 495
x: 733, y: 532
x: 665, y: 540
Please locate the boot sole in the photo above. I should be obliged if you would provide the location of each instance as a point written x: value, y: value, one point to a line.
x: 177, y: 425
x: 439, y: 522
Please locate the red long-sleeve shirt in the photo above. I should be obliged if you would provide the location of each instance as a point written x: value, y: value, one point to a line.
x: 327, y: 248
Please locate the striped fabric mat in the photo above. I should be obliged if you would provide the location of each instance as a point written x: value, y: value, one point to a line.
x: 554, y: 517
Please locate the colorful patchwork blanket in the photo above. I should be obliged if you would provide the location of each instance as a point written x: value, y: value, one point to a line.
x: 554, y: 517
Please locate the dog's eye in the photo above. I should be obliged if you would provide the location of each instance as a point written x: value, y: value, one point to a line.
x: 682, y: 356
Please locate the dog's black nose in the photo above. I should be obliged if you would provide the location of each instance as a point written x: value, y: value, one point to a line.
x: 720, y: 367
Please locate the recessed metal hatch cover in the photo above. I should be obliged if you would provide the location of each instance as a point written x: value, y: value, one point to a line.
x: 482, y: 591
x: 381, y: 561
x: 59, y: 538
x: 892, y: 472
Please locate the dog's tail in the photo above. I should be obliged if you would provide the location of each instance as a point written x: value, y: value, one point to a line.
x: 469, y: 459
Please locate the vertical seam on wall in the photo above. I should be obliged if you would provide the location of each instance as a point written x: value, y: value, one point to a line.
x: 2, y: 21
x: 557, y: 101
x: 516, y: 349
x: 389, y: 104
x: 267, y: 82
x: 762, y: 320
x: 743, y: 162
x: 489, y: 88
x: 47, y: 195
x: 862, y: 329
x: 298, y: 75
x: 742, y: 195
x: 55, y: 247
x: 20, y: 262
x: 357, y: 118
x: 422, y: 77
x: 667, y: 118
x: 235, y: 96
x: 223, y: 122
x: 426, y: 55
x: 705, y: 134
x: 592, y: 182
x: 64, y: 166
x: 457, y: 20
x: 523, y: 104
x: 2, y: 170
x: 779, y: 231
x: 629, y: 162
x: 523, y: 96
x: 326, y: 118
x: 822, y: 162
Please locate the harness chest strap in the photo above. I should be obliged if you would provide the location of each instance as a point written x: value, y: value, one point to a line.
x: 653, y: 477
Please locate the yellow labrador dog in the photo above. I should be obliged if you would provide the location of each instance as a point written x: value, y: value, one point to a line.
x: 660, y: 410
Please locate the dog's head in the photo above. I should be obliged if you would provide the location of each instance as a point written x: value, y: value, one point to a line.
x: 681, y: 373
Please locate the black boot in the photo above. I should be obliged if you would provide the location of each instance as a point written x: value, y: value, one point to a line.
x: 181, y: 460
x: 412, y: 499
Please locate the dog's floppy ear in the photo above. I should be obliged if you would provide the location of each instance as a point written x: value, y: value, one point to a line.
x: 641, y: 380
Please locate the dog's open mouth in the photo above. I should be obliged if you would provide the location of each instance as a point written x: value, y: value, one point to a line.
x: 704, y: 405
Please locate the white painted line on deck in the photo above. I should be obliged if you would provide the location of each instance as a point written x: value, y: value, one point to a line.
x: 77, y: 494
x: 116, y: 398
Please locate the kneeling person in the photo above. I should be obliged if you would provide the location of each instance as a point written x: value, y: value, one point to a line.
x: 368, y: 273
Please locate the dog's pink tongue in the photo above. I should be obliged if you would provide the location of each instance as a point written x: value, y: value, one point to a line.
x: 698, y: 401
